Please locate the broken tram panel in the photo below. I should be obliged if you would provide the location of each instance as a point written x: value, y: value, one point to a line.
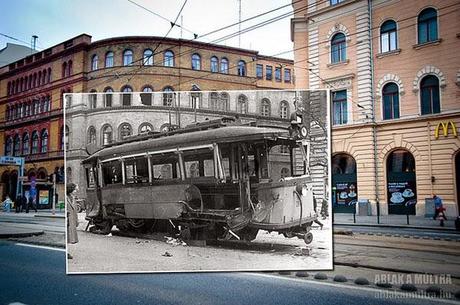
x: 216, y: 179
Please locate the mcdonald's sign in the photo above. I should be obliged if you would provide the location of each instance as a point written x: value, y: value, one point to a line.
x: 445, y: 129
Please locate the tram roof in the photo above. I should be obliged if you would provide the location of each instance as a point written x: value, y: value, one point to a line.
x: 226, y: 134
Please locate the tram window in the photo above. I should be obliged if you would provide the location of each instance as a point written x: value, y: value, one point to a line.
x: 226, y: 163
x: 90, y: 179
x: 136, y: 170
x: 192, y: 169
x: 163, y: 171
x: 111, y: 172
x: 208, y: 168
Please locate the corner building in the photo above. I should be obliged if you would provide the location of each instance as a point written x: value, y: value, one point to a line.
x: 394, y: 77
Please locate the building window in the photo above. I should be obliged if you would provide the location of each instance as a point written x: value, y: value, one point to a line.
x: 125, y: 131
x: 195, y: 100
x: 242, y: 104
x: 168, y: 59
x: 214, y: 64
x: 145, y: 128
x: 109, y: 59
x: 214, y: 97
x: 224, y: 65
x: 278, y: 74
x: 25, y: 144
x: 49, y: 76
x: 94, y: 62
x: 108, y: 97
x: 390, y: 93
x: 429, y: 95
x: 44, y: 141
x: 241, y: 68
x: 223, y: 103
x: 91, y: 135
x: 66, y: 134
x: 92, y: 99
x: 339, y: 106
x: 168, y: 96
x: 127, y: 95
x: 146, y: 96
x: 17, y: 146
x: 338, y: 48
x: 196, y: 62
x: 427, y: 25
x: 287, y: 75
x: 148, y: 58
x: 63, y: 74
x: 127, y: 58
x: 284, y: 110
x: 334, y: 2
x: 269, y: 73
x: 260, y: 71
x: 265, y: 109
x: 107, y: 135
x: 8, y: 146
x: 69, y: 68
x: 388, y: 38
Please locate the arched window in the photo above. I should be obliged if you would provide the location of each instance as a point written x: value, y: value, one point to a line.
x: 8, y: 146
x: 127, y: 95
x: 390, y: 95
x: 94, y: 62
x: 65, y: 135
x: 196, y: 62
x: 107, y: 135
x: 48, y: 80
x: 224, y: 65
x: 148, y: 57
x: 146, y: 96
x: 35, y: 140
x: 242, y: 104
x: 214, y: 97
x: 91, y: 139
x: 108, y: 97
x: 427, y: 25
x: 44, y: 141
x: 429, y: 95
x: 388, y: 36
x: 63, y: 74
x: 145, y: 127
x: 17, y: 145
x: 25, y: 144
x: 241, y: 68
x: 338, y: 48
x: 39, y: 80
x: 69, y: 68
x: 214, y: 64
x: 109, y: 59
x: 168, y: 59
x: 223, y: 103
x: 127, y: 57
x: 284, y: 172
x: 168, y: 96
x: 125, y: 130
x: 265, y: 108
x: 43, y: 76
x: 284, y: 110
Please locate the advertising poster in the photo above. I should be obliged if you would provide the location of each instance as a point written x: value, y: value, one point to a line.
x: 43, y: 197
x: 345, y: 194
x: 402, y: 193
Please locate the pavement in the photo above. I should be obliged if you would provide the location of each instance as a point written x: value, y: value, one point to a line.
x: 394, y: 221
x: 9, y: 231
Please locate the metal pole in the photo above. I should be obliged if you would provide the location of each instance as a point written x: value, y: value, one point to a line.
x: 54, y: 195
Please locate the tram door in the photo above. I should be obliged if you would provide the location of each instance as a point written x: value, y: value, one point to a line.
x: 344, y: 184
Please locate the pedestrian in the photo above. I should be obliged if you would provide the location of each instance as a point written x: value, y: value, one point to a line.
x: 315, y: 205
x: 439, y: 210
x: 32, y: 204
x: 7, y: 204
x: 72, y: 216
x: 18, y: 203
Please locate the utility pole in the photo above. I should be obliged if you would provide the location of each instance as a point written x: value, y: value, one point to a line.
x: 54, y: 194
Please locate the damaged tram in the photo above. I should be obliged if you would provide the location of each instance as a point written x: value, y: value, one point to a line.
x: 206, y: 181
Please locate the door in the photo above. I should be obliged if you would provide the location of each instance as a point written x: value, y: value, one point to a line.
x: 344, y: 184
x: 401, y: 183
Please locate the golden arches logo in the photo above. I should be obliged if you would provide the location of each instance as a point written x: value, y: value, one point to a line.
x: 445, y: 129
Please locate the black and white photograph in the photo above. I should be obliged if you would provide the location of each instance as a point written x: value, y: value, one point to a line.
x: 198, y: 181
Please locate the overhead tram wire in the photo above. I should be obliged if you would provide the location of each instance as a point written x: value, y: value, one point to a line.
x: 180, y: 54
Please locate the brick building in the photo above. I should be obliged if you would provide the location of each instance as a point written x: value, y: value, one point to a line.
x: 32, y: 88
x: 394, y: 77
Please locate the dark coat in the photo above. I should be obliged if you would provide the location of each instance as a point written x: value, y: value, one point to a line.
x: 72, y: 220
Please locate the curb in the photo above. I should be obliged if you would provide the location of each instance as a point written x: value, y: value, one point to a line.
x: 393, y: 226
x: 50, y: 216
x: 39, y: 243
x: 403, y: 236
x: 22, y: 234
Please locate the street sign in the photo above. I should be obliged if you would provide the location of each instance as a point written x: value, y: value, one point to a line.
x: 8, y: 160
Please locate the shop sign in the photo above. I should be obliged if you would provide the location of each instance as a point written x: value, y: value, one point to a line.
x: 43, y: 197
x: 344, y: 194
x: 402, y: 193
x: 445, y: 129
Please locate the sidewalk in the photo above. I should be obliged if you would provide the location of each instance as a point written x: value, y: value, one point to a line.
x: 396, y: 221
x: 40, y: 213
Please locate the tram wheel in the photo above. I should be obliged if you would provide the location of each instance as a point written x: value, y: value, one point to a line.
x: 308, y: 238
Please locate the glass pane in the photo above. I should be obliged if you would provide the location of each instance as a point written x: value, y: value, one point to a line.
x: 435, y: 100
x: 433, y: 29
x: 384, y: 42
x: 426, y: 103
x: 387, y: 107
x: 392, y: 41
x: 422, y: 33
x: 396, y: 106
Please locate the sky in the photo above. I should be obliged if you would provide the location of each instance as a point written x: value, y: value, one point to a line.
x: 55, y: 21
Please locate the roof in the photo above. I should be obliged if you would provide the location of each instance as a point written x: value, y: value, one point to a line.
x: 227, y: 134
x: 13, y: 52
